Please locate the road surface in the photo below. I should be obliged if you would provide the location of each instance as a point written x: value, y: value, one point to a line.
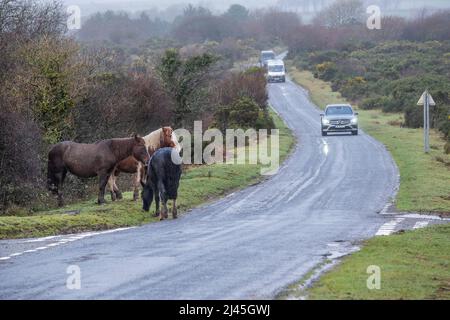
x: 326, y: 197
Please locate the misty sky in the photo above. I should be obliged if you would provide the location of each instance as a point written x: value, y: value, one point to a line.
x: 392, y: 6
x: 137, y: 5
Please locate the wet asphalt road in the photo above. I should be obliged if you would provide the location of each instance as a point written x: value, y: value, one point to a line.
x: 248, y: 245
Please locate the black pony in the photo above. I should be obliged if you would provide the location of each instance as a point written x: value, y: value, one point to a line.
x: 163, y: 179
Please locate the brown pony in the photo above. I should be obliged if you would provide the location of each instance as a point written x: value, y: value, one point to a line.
x: 163, y: 137
x: 90, y: 160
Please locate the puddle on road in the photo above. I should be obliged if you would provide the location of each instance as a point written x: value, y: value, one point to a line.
x: 340, y: 249
x: 325, y: 147
x: 336, y: 250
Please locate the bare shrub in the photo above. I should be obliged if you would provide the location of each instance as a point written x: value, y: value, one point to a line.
x: 20, y: 160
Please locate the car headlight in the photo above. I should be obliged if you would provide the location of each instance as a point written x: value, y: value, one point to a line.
x: 325, y: 121
x: 354, y: 120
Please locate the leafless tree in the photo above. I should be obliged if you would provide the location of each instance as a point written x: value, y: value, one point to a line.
x: 341, y: 13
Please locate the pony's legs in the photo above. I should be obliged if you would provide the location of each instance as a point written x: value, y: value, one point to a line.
x: 111, y: 184
x: 102, y: 182
x: 113, y: 189
x: 143, y: 175
x: 116, y: 189
x: 162, y: 195
x: 60, y: 177
x: 174, y: 209
x: 137, y: 181
x: 165, y: 210
x: 157, y: 210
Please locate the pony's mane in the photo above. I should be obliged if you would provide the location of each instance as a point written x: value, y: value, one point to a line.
x: 153, y: 139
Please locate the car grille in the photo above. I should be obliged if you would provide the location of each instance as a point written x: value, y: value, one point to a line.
x: 342, y: 122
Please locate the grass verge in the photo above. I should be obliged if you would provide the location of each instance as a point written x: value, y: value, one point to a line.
x: 198, y: 185
x: 413, y: 265
x: 424, y: 182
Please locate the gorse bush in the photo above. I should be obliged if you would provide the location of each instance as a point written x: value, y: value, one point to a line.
x: 326, y: 70
x: 378, y: 102
x: 243, y: 114
x: 242, y: 98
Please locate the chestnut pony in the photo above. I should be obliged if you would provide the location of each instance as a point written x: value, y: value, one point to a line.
x: 90, y: 160
x: 161, y: 138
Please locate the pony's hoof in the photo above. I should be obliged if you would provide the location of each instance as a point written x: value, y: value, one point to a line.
x: 101, y: 202
x: 156, y: 214
x: 119, y: 196
x: 113, y: 196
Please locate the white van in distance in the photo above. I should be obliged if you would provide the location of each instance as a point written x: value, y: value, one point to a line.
x: 265, y: 57
x: 276, y: 72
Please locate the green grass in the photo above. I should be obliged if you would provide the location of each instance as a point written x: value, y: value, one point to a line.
x: 424, y: 178
x: 298, y: 290
x: 413, y: 265
x: 198, y: 185
x: 320, y: 91
x: 424, y: 182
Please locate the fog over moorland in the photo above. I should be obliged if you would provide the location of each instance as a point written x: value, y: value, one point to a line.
x: 168, y: 9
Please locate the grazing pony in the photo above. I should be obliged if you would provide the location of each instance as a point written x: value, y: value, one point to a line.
x: 163, y: 179
x: 90, y: 160
x: 163, y: 137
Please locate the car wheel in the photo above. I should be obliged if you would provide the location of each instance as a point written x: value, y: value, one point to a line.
x: 324, y: 133
x: 355, y: 133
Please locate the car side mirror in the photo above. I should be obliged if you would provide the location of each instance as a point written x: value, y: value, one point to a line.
x: 356, y: 113
x: 322, y: 114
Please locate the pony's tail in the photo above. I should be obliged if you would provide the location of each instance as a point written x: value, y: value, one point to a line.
x: 147, y: 197
x: 173, y: 181
x: 52, y: 180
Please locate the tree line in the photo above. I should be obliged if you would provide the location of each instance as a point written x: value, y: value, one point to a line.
x: 195, y: 25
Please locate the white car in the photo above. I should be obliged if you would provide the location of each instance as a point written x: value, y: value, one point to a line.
x: 276, y: 71
x: 339, y: 118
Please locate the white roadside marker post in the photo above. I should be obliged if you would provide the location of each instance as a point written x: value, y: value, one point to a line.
x: 426, y: 100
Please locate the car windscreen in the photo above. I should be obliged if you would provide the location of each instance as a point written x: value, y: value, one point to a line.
x: 276, y: 68
x: 339, y: 110
x: 268, y: 56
